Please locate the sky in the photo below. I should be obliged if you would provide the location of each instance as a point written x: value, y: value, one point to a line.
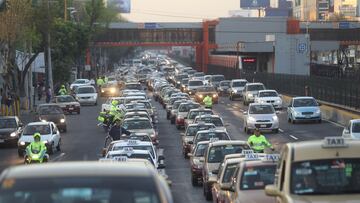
x: 179, y: 10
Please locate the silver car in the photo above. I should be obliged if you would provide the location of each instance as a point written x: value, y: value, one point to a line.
x: 250, y: 91
x: 236, y: 88
x: 261, y: 116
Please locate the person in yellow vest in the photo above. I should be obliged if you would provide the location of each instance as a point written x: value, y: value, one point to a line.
x: 208, y: 102
x: 258, y: 142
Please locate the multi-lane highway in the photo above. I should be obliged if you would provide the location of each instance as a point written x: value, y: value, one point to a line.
x: 84, y: 141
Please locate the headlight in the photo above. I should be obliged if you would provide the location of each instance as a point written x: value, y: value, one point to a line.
x: 251, y: 119
x: 95, y: 97
x: 102, y: 91
x: 297, y: 113
x: 22, y: 143
x: 201, y: 96
x: 278, y: 101
x: 152, y: 135
x: 317, y: 111
x: 190, y: 92
x: 62, y: 120
x: 250, y: 95
x: 13, y: 134
x: 261, y: 101
x: 178, y: 82
x: 235, y: 91
x: 45, y: 141
x: 43, y: 120
x: 112, y: 90
x: 214, y: 95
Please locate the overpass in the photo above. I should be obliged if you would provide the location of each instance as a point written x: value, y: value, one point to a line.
x: 204, y: 36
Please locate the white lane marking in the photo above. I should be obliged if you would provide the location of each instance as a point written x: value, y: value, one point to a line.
x: 281, y: 130
x: 57, y: 157
x: 292, y: 136
x: 332, y: 122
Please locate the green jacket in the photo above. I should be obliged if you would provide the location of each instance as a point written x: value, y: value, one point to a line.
x: 99, y: 82
x: 208, y: 101
x: 62, y: 91
x: 38, y: 146
x: 258, y: 143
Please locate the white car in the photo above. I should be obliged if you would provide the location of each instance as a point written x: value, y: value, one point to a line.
x: 130, y: 153
x: 214, y: 119
x: 352, y: 130
x: 80, y: 82
x: 250, y: 91
x: 50, y: 135
x: 236, y: 88
x: 270, y: 97
x: 86, y: 95
x: 261, y: 116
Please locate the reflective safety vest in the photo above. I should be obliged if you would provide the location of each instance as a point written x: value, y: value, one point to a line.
x: 258, y: 143
x: 99, y: 81
x: 38, y: 146
x: 62, y: 91
x: 208, y: 101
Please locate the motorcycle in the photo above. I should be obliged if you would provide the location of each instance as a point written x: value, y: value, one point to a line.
x: 35, y: 157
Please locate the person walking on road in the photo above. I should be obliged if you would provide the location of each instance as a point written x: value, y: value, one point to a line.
x: 117, y: 130
x: 258, y: 142
x: 48, y: 95
x: 208, y: 102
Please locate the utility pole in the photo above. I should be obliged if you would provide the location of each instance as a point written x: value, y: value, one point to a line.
x: 65, y: 10
x: 48, y: 51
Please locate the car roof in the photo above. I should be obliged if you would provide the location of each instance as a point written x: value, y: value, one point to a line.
x: 260, y: 104
x: 254, y: 83
x: 303, y: 98
x: 76, y: 169
x: 215, y: 130
x: 201, y: 109
x: 49, y: 104
x: 226, y: 142
x: 267, y: 91
x: 86, y: 86
x: 126, y: 143
x: 208, y: 115
x: 136, y: 118
x: 38, y: 123
x: 239, y: 80
x: 314, y: 150
x: 203, y: 143
x: 135, y: 151
x: 7, y: 117
x: 355, y: 121
x: 199, y: 123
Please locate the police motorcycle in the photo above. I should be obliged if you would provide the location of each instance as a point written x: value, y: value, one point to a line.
x: 36, y: 156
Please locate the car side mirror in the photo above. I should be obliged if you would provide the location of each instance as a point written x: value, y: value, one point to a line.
x: 216, y: 171
x: 191, y: 142
x: 346, y: 131
x: 277, y: 112
x: 272, y: 190
x: 190, y: 155
x: 280, y: 95
x: 245, y: 112
x: 182, y: 134
x: 21, y: 125
x: 103, y: 152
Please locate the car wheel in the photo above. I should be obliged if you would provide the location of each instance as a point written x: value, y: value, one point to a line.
x: 95, y: 104
x: 208, y: 195
x: 178, y: 127
x: 51, y: 149
x: 172, y: 121
x: 58, y: 148
x: 289, y: 120
x: 293, y: 121
x: 185, y: 155
x: 78, y: 112
x: 167, y: 116
x: 20, y: 153
x: 245, y: 103
x: 194, y: 181
x: 319, y: 121
x: 276, y: 130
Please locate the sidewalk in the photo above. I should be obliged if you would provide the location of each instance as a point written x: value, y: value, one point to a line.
x: 27, y: 116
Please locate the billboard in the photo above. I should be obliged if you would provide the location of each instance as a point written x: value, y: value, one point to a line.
x: 254, y: 3
x: 122, y: 6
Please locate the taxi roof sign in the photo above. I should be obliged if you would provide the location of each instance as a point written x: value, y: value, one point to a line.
x: 252, y: 156
x: 121, y: 158
x: 334, y: 142
x: 247, y: 151
x: 272, y: 157
x: 133, y: 142
x: 128, y: 149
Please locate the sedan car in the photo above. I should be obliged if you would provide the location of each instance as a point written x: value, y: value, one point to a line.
x: 141, y: 125
x: 68, y: 104
x: 182, y: 112
x: 250, y: 91
x: 269, y: 96
x: 261, y: 116
x: 223, y: 87
x: 352, y: 130
x: 202, y: 92
x: 193, y: 85
x: 110, y: 89
x: 50, y: 135
x: 197, y: 162
x: 90, y: 182
x: 216, y: 79
x: 303, y: 109
x: 236, y: 88
x: 79, y: 82
x: 53, y: 113
x: 10, y: 129
x: 86, y: 95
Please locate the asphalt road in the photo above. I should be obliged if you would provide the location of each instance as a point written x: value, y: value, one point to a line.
x: 84, y: 141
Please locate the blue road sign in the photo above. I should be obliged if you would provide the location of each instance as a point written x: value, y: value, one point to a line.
x: 150, y: 25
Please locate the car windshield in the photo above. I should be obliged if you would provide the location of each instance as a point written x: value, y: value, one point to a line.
x: 261, y: 109
x: 195, y: 83
x: 209, y: 135
x: 177, y: 104
x: 85, y: 90
x: 255, y: 87
x: 193, y: 114
x: 188, y: 107
x: 268, y: 94
x: 192, y: 130
x: 304, y: 102
x: 200, y: 150
x: 328, y: 176
x: 239, y: 84
x: 7, y: 123
x: 46, y: 110
x: 133, y: 86
x: 137, y: 125
x: 42, y: 129
x: 65, y: 99
x: 257, y: 177
x: 356, y: 127
x: 198, y: 74
x: 79, y: 82
x: 217, y: 78
x: 217, y: 153
x: 229, y: 172
x: 225, y: 84
x: 75, y: 189
x: 135, y: 147
x: 206, y: 89
x: 214, y: 120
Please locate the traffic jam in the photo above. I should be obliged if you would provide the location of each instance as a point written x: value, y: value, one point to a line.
x: 132, y: 162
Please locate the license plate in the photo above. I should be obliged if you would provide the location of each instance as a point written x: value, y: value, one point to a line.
x: 262, y: 126
x: 307, y: 116
x: 2, y: 141
x: 71, y: 108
